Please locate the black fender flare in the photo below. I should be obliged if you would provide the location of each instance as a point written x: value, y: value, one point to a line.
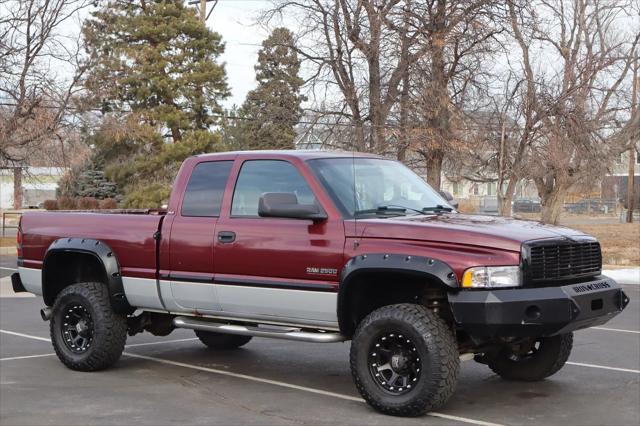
x: 431, y: 269
x: 105, y: 255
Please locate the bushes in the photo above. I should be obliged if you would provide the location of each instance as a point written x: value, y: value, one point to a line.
x: 80, y: 203
x: 50, y: 204
x: 67, y: 203
x: 87, y: 203
x: 108, y: 203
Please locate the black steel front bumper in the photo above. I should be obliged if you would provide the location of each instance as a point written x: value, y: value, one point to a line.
x: 533, y: 312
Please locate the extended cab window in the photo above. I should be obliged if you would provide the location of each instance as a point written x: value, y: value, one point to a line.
x: 203, y: 195
x: 259, y: 176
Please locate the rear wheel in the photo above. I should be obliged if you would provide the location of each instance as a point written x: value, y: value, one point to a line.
x: 404, y: 360
x: 86, y: 333
x: 222, y: 341
x: 534, y: 359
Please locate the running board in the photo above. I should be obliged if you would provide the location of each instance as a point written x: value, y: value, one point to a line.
x: 287, y: 333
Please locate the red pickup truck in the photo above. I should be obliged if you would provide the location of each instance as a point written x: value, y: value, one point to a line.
x: 320, y: 247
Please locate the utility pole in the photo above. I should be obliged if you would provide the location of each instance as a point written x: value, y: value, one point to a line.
x: 202, y: 8
x: 632, y: 147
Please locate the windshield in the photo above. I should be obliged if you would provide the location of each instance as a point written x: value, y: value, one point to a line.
x: 382, y: 187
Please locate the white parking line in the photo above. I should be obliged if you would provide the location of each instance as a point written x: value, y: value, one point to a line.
x: 26, y: 336
x: 616, y: 329
x: 626, y: 370
x: 26, y: 357
x: 256, y: 379
x: 7, y: 269
x: 133, y: 345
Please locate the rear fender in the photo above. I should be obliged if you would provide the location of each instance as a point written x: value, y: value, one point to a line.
x: 55, y: 258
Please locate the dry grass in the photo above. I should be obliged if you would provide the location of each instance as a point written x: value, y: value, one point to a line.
x: 7, y: 241
x: 620, y: 242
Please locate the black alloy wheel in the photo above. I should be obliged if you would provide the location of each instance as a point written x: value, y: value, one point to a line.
x: 77, y: 329
x: 394, y: 363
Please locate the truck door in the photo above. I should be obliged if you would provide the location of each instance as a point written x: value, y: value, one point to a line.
x: 192, y: 239
x: 276, y: 268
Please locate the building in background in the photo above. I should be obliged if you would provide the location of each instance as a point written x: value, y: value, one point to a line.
x: 614, y: 185
x: 36, y: 184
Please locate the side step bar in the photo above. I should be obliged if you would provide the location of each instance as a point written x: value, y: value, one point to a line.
x: 286, y: 333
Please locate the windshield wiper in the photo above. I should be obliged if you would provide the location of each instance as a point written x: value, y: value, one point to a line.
x: 436, y: 209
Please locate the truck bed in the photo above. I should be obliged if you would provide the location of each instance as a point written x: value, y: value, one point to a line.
x: 129, y: 233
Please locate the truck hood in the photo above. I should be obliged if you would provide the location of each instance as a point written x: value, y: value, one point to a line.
x: 452, y: 228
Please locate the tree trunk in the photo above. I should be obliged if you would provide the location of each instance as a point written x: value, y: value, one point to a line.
x: 505, y: 199
x: 403, y: 143
x: 434, y: 168
x: 375, y: 113
x: 17, y: 188
x: 359, y: 143
x: 552, y: 202
x: 439, y: 116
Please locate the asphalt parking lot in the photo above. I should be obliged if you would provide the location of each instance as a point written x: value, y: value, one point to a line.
x: 176, y: 379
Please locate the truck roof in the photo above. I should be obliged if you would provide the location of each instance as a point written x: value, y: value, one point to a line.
x: 301, y: 154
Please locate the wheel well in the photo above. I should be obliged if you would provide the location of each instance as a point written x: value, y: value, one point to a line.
x: 369, y: 291
x: 62, y: 269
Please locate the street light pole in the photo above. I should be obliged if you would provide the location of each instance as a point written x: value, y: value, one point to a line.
x: 632, y: 147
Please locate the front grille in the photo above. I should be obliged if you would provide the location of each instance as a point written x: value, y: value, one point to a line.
x: 564, y: 260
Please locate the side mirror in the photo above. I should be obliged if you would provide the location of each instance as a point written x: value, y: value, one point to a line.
x: 285, y: 205
x: 447, y: 196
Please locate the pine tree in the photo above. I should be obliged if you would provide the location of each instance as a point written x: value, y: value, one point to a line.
x: 271, y: 111
x: 88, y: 180
x: 153, y: 70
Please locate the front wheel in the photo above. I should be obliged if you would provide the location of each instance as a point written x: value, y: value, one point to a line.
x: 86, y: 333
x: 404, y: 360
x: 533, y: 359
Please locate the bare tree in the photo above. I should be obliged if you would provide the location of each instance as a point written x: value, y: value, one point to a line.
x: 576, y: 89
x: 359, y: 51
x: 460, y: 36
x: 39, y: 75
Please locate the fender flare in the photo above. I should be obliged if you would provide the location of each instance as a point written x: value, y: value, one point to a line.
x: 430, y: 268
x: 105, y: 255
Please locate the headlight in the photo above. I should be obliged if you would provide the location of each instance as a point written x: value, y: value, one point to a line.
x: 491, y: 277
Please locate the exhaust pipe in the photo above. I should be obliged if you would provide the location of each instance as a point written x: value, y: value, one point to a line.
x: 245, y: 330
x: 46, y: 313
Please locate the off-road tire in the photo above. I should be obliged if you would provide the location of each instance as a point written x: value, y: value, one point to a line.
x: 222, y: 341
x: 439, y: 359
x: 546, y: 361
x: 109, y: 328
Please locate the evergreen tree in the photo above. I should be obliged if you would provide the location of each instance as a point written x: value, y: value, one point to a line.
x: 88, y: 181
x: 271, y: 111
x: 153, y: 70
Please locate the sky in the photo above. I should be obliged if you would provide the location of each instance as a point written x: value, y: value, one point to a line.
x: 235, y: 21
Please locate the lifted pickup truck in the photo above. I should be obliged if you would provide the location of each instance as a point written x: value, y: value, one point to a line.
x: 320, y: 247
